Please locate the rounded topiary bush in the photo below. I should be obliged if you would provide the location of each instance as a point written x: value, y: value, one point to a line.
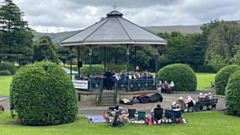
x: 43, y: 94
x: 5, y: 72
x: 8, y: 66
x: 233, y: 94
x: 222, y: 76
x: 182, y: 75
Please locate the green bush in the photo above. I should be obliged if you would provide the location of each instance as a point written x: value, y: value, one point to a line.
x: 8, y: 66
x: 42, y: 94
x: 183, y: 76
x: 213, y: 68
x: 116, y: 68
x: 222, y: 76
x: 96, y: 69
x: 5, y: 72
x: 233, y: 94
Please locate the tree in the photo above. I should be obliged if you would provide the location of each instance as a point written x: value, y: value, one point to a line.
x: 16, y: 36
x: 43, y: 51
x: 223, y: 38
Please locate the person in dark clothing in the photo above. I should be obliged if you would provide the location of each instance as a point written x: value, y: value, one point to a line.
x: 108, y: 75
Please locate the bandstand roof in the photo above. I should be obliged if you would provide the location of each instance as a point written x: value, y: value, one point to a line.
x: 113, y: 30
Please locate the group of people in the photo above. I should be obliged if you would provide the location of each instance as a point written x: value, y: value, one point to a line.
x: 188, y: 105
x: 164, y: 87
x: 109, y: 78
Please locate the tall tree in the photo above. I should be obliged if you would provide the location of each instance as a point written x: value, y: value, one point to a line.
x: 44, y: 51
x: 16, y: 36
x: 223, y: 38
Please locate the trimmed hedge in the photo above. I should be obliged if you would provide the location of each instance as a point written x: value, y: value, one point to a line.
x: 97, y: 69
x: 8, y: 66
x: 182, y: 75
x: 213, y: 68
x: 42, y: 94
x: 222, y: 77
x: 233, y: 94
x: 5, y: 72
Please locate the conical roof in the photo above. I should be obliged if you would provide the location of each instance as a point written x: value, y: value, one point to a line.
x: 114, y: 29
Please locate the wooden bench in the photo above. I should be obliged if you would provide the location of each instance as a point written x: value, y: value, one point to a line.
x: 208, y: 103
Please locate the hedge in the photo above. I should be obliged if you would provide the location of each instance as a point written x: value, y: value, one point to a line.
x: 210, y: 68
x: 233, y: 94
x: 5, y: 72
x: 183, y: 76
x: 8, y: 66
x: 222, y: 77
x: 97, y: 68
x: 42, y: 94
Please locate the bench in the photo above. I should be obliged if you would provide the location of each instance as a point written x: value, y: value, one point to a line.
x: 208, y: 103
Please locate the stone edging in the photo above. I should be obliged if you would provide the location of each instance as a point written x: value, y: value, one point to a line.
x: 2, y: 99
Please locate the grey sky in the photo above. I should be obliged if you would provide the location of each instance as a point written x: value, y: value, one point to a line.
x: 65, y: 15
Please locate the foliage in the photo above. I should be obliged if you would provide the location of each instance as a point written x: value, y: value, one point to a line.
x: 182, y: 75
x: 223, y: 38
x: 222, y: 77
x: 96, y: 69
x: 233, y: 94
x: 43, y: 50
x: 181, y: 48
x: 5, y: 72
x: 216, y: 59
x: 210, y: 68
x: 116, y: 68
x: 15, y: 35
x: 8, y: 66
x: 43, y: 94
x: 236, y: 58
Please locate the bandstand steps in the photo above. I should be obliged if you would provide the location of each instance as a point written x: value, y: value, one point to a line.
x: 107, y: 99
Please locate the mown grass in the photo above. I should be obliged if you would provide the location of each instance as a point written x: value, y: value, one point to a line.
x: 5, y: 85
x: 204, y: 80
x: 202, y: 123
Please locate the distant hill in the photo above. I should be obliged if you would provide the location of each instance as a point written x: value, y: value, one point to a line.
x: 185, y: 29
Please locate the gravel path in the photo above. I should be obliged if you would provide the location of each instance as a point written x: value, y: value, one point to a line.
x: 168, y: 99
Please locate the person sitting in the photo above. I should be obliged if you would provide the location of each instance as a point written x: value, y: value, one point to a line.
x: 200, y: 95
x: 182, y: 104
x: 160, y: 85
x: 157, y: 114
x: 171, y: 84
x: 210, y: 96
x: 164, y: 87
x: 190, y: 103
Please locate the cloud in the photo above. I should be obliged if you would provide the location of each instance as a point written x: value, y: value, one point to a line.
x: 60, y: 15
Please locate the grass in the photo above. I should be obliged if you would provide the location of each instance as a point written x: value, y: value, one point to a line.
x: 204, y: 80
x: 202, y: 123
x: 5, y: 85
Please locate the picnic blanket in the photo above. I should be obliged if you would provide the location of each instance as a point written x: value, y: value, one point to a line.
x: 95, y: 119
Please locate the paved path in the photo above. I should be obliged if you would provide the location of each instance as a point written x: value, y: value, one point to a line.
x: 168, y: 99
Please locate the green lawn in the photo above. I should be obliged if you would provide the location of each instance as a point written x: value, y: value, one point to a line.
x: 204, y: 80
x: 4, y: 85
x: 202, y: 123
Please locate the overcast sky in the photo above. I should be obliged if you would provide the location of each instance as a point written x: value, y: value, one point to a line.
x: 65, y: 15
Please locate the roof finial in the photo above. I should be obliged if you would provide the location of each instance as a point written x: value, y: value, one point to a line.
x: 114, y: 4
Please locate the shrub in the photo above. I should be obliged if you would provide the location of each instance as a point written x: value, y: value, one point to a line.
x: 233, y: 94
x: 8, y: 66
x: 213, y: 68
x: 96, y: 69
x: 117, y: 68
x: 222, y: 76
x: 183, y: 76
x: 42, y: 94
x: 5, y: 72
